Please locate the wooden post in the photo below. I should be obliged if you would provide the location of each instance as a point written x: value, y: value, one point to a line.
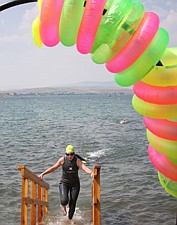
x: 45, y: 198
x: 96, y: 196
x: 39, y: 206
x: 33, y: 207
x: 24, y: 206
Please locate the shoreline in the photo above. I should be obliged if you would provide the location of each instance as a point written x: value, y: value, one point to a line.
x: 69, y: 90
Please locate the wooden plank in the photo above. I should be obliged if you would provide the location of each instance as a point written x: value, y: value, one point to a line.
x: 24, y: 206
x: 96, y: 196
x: 32, y: 201
x: 39, y: 206
x: 29, y: 175
x: 22, y: 203
x: 97, y: 167
x: 45, y: 198
x: 33, y: 206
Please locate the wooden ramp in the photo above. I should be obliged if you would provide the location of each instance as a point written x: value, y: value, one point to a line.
x: 34, y: 197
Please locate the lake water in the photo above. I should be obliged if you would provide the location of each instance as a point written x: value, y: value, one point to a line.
x: 34, y: 131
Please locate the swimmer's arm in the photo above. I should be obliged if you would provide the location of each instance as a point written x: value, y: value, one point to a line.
x: 52, y: 168
x: 84, y: 167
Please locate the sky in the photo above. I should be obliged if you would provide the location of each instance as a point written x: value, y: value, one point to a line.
x: 23, y: 65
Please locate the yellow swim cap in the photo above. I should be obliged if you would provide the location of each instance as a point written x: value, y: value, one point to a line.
x: 69, y: 148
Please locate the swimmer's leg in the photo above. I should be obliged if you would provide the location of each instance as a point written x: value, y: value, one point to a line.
x: 64, y: 189
x: 74, y: 193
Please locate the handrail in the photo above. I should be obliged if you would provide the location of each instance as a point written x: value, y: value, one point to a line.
x: 96, y: 196
x: 38, y: 197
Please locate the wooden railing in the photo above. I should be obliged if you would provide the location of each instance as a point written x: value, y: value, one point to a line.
x: 96, y: 196
x: 34, y: 193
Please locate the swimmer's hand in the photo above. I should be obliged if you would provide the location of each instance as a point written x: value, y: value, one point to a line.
x: 41, y: 176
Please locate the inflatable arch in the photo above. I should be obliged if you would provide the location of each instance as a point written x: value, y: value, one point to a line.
x: 129, y: 41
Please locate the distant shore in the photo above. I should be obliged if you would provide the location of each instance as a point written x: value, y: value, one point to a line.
x: 69, y: 90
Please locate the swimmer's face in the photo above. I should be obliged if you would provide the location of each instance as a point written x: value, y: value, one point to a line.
x: 70, y: 155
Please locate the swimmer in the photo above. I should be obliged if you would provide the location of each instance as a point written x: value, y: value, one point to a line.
x: 69, y: 185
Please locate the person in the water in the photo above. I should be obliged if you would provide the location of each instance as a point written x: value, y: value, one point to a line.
x: 69, y: 185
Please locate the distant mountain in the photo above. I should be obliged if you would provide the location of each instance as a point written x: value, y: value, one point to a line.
x: 97, y: 83
x: 93, y: 84
x: 80, y: 87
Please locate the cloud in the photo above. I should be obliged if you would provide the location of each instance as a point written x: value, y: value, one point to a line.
x: 2, y: 23
x: 22, y: 34
x: 9, y: 39
x: 169, y: 23
x: 27, y: 19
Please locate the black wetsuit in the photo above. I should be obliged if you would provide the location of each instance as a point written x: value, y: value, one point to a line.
x: 69, y: 185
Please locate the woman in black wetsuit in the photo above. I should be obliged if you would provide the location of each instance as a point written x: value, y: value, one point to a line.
x: 69, y: 185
